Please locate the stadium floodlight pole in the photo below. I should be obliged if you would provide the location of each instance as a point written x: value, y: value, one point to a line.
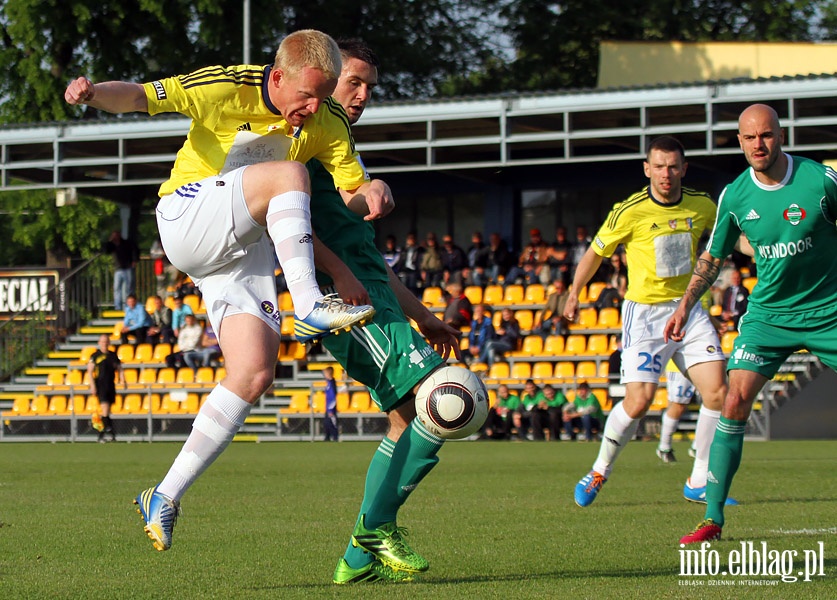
x: 246, y: 36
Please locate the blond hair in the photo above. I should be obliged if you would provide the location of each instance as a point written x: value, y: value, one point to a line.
x: 309, y: 48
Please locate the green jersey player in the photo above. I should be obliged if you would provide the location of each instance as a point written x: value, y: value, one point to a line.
x: 388, y: 355
x: 786, y: 206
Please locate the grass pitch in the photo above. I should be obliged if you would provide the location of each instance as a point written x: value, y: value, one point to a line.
x: 495, y: 519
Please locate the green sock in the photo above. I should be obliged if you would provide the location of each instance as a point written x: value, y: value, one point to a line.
x: 414, y: 457
x: 378, y: 467
x: 724, y: 458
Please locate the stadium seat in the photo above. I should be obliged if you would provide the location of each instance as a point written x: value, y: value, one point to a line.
x: 55, y: 378
x: 147, y: 376
x: 499, y: 370
x: 587, y: 319
x: 150, y: 401
x: 192, y: 404
x: 287, y: 326
x: 285, y: 302
x: 125, y: 353
x: 532, y: 345
x: 525, y: 318
x: 543, y: 370
x: 432, y: 296
x: 84, y: 355
x: 165, y: 375
x: 613, y: 345
x: 185, y: 375
x: 597, y: 344
x: 205, y: 375
x: 168, y: 406
x: 193, y: 301
x: 535, y: 294
x: 57, y: 405
x: 553, y: 345
x: 521, y: 370
x: 220, y: 374
x: 582, y: 295
x: 143, y: 353
x: 727, y: 340
x: 715, y: 310
x: 479, y: 368
x: 161, y: 351
x: 132, y: 404
x: 564, y: 371
x: 496, y: 317
x: 40, y: 405
x: 318, y: 401
x: 604, y: 400
x: 297, y: 404
x: 588, y: 371
x: 749, y: 283
x: 594, y: 289
x: 608, y: 318
x: 660, y: 401
x: 492, y: 294
x: 78, y: 404
x: 91, y: 405
x: 130, y: 376
x: 343, y: 400
x: 576, y: 345
x: 513, y: 294
x: 473, y: 293
x: 20, y: 407
x: 360, y: 401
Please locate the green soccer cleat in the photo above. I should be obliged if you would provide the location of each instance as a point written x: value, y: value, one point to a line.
x: 387, y: 544
x: 374, y: 571
x: 160, y: 515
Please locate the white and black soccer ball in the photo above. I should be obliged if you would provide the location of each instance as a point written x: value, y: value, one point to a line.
x: 452, y: 403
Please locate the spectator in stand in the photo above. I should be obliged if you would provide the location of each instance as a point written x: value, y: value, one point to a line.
x: 552, y: 405
x: 189, y: 340
x: 481, y: 334
x: 392, y: 253
x: 618, y: 273
x: 453, y: 260
x: 499, y: 258
x: 531, y: 411
x: 614, y: 362
x: 125, y: 255
x: 208, y: 350
x: 609, y: 297
x: 735, y: 300
x: 531, y: 266
x: 178, y: 315
x: 136, y: 321
x: 459, y: 311
x: 431, y: 262
x: 583, y: 412
x: 165, y: 272
x: 498, y: 424
x: 579, y: 248
x: 161, y: 329
x: 409, y: 263
x: 558, y: 256
x: 332, y: 432
x: 551, y: 320
x: 507, y: 337
x: 723, y: 282
x: 478, y: 254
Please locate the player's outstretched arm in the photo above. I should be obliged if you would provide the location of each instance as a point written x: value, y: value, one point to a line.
x: 443, y: 337
x: 109, y: 96
x: 587, y: 267
x: 373, y: 200
x: 705, y: 273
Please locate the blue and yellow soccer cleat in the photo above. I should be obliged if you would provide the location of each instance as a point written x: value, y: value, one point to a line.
x: 330, y: 315
x: 374, y: 571
x: 160, y: 515
x: 706, y: 531
x: 387, y: 544
x: 698, y: 495
x: 588, y: 488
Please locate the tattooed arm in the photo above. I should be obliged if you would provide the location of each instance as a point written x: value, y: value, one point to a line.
x: 705, y: 274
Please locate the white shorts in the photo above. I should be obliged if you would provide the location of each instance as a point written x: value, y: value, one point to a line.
x: 208, y: 233
x: 645, y: 354
x: 680, y: 389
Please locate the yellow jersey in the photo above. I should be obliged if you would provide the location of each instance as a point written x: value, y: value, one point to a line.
x: 234, y: 124
x: 660, y: 242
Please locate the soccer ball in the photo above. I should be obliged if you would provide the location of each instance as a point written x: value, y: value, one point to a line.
x: 452, y: 403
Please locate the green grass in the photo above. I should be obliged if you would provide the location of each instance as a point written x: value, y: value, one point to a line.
x: 495, y: 519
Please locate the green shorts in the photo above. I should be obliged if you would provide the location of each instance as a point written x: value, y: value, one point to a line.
x: 388, y: 356
x: 767, y: 339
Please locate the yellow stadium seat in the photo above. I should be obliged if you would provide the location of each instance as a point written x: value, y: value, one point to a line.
x: 57, y: 405
x: 193, y: 301
x: 150, y: 401
x: 343, y: 400
x: 535, y: 294
x: 564, y: 370
x: 360, y: 401
x: 165, y: 375
x: 74, y: 377
x: 493, y: 294
x: 604, y: 400
x: 499, y: 370
x: 525, y: 318
x: 715, y: 310
x: 727, y: 340
x: 597, y: 344
x: 576, y: 345
x: 20, y: 407
x: 130, y: 375
x: 532, y: 345
x: 473, y: 293
x: 161, y: 351
x: 608, y: 318
x: 587, y: 370
x: 521, y: 370
x: 543, y: 370
x: 185, y: 375
x: 513, y: 294
x: 84, y: 355
x: 143, y: 353
x: 92, y: 405
x: 582, y: 295
x: 125, y: 353
x: 192, y: 403
x: 297, y: 404
x: 147, y: 376
x: 205, y: 375
x: 40, y: 405
x: 318, y: 401
x: 287, y: 325
x: 432, y: 296
x: 285, y: 302
x: 553, y: 345
x: 594, y: 289
x: 496, y: 317
x: 660, y: 401
x: 479, y: 368
x: 78, y: 405
x: 587, y: 319
x: 168, y: 406
x: 132, y: 404
x: 55, y: 378
x: 220, y: 374
x: 749, y: 283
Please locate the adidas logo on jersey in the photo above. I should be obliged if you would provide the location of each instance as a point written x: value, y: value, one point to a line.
x: 244, y: 127
x: 654, y: 227
x: 752, y: 215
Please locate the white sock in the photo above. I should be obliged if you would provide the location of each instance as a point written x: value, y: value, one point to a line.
x: 667, y: 431
x: 704, y: 434
x: 218, y: 420
x: 619, y: 430
x: 289, y: 225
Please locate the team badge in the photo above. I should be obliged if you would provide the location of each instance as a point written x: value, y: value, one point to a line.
x: 689, y: 223
x: 268, y: 307
x: 794, y: 214
x: 673, y: 223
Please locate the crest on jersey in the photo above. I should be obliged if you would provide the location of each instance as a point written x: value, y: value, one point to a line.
x: 672, y: 223
x: 794, y: 214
